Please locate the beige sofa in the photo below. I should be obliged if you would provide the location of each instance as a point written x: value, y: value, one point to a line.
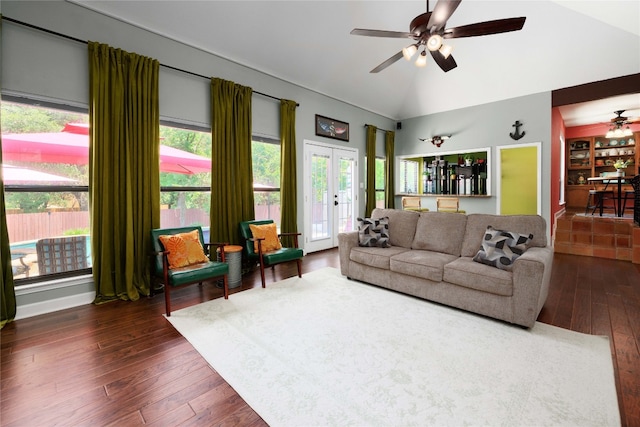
x: 431, y: 257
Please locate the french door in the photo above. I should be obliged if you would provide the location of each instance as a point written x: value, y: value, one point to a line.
x: 330, y: 194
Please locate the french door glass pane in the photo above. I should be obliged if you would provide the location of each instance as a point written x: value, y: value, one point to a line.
x: 345, y: 195
x: 320, y: 203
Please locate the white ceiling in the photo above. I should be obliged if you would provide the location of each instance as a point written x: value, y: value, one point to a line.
x: 563, y: 43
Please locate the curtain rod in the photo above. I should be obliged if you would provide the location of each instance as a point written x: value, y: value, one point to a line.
x: 55, y: 33
x: 377, y: 128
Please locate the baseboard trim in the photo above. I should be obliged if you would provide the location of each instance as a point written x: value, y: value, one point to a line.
x: 49, y: 306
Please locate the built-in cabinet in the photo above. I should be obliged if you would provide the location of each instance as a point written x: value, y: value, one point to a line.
x: 592, y: 156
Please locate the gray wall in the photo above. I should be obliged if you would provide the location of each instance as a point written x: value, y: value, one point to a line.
x: 483, y: 126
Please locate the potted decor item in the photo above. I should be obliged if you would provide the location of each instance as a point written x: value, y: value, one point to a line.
x: 468, y: 159
x: 620, y: 166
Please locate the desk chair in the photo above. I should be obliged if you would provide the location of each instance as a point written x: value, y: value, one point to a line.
x: 412, y: 203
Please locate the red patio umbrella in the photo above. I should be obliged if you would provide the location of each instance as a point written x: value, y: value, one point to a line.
x: 71, y: 146
x: 19, y: 175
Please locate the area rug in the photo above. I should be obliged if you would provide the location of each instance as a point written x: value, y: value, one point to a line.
x: 322, y: 350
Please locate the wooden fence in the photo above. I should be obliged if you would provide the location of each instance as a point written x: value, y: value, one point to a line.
x: 32, y: 226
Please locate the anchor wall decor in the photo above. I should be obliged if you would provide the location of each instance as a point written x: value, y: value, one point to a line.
x: 517, y: 134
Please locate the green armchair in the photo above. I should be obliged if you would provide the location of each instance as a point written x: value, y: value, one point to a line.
x: 194, y: 272
x: 265, y: 257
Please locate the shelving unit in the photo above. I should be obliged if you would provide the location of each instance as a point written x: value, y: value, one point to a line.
x: 592, y: 156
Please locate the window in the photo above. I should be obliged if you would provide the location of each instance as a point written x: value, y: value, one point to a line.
x: 409, y: 172
x: 185, y: 177
x: 45, y: 170
x: 45, y: 154
x: 265, y: 154
x: 380, y: 182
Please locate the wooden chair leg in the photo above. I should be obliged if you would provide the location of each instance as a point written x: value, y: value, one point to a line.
x: 226, y: 286
x: 262, y: 274
x: 167, y: 299
x: 299, y: 267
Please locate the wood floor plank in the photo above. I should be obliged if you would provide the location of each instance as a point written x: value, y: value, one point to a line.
x: 122, y: 363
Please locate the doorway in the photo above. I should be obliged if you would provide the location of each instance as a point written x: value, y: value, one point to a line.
x: 519, y: 179
x: 330, y: 194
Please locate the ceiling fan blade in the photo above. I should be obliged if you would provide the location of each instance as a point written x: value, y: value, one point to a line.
x: 386, y: 63
x: 447, y: 64
x: 380, y: 33
x: 441, y: 13
x: 485, y: 28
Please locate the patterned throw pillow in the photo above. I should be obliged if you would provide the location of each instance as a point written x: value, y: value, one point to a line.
x: 374, y: 232
x: 184, y: 249
x: 501, y: 248
x: 271, y: 241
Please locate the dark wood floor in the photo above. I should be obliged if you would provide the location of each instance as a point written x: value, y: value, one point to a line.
x: 123, y: 364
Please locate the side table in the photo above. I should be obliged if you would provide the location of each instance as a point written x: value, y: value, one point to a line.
x: 233, y: 257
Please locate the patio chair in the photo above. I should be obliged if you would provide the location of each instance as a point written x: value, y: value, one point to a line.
x: 264, y: 250
x: 61, y: 254
x: 181, y: 258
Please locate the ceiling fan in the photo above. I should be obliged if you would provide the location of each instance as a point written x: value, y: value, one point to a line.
x: 617, y: 123
x: 428, y: 32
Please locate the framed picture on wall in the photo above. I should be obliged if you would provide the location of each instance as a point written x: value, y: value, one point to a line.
x: 332, y: 128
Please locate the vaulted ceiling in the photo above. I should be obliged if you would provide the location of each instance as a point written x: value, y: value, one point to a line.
x: 563, y: 43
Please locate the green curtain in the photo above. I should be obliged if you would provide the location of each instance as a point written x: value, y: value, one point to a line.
x: 288, y: 174
x: 8, y: 295
x: 124, y: 169
x: 389, y: 173
x: 231, y: 167
x: 371, y: 169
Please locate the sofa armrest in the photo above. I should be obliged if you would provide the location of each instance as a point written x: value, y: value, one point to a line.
x: 531, y: 278
x: 346, y: 241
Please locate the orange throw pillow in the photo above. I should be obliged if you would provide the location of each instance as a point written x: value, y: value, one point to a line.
x: 184, y: 249
x: 270, y: 234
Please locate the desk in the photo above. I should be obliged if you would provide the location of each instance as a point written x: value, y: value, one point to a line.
x: 607, y: 180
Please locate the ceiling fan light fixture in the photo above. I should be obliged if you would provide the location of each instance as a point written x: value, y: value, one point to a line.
x: 409, y: 51
x: 422, y: 59
x: 446, y: 50
x: 628, y: 131
x: 434, y: 42
x: 610, y: 134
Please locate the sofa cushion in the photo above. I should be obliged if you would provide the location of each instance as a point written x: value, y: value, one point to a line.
x: 423, y: 264
x: 440, y: 232
x: 522, y: 224
x: 374, y: 257
x: 501, y: 248
x: 402, y: 225
x: 465, y: 272
x: 373, y: 232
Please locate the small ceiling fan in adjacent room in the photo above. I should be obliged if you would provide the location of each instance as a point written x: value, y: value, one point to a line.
x: 429, y: 31
x: 618, y: 123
